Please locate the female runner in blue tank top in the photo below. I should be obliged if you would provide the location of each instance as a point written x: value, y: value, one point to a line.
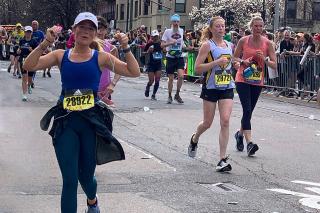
x: 214, y: 62
x: 80, y: 67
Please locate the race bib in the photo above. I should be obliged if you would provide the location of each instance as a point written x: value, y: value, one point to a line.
x: 175, y: 50
x: 11, y: 49
x: 176, y: 47
x: 222, y: 80
x: 256, y: 77
x: 157, y: 56
x: 78, y: 100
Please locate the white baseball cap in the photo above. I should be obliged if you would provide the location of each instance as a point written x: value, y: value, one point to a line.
x: 154, y: 33
x: 28, y: 28
x: 86, y: 16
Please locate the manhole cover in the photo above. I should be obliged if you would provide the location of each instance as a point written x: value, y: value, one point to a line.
x: 223, y: 187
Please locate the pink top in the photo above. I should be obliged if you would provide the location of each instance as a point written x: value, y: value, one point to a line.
x: 250, y: 52
x: 70, y: 41
x: 105, y: 79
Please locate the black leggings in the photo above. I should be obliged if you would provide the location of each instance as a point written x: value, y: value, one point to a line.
x: 249, y: 95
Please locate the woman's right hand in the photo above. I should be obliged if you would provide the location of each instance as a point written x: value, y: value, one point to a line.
x: 222, y: 61
x: 52, y: 33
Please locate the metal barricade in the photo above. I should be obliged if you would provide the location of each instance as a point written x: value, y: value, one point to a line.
x: 295, y: 79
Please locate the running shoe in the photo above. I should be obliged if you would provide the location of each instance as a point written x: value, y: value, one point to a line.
x: 192, y: 149
x: 153, y: 97
x: 44, y: 75
x: 223, y: 165
x: 32, y: 85
x: 169, y: 100
x: 9, y: 69
x: 178, y: 99
x: 49, y: 74
x: 92, y: 208
x: 146, y: 92
x: 252, y: 148
x: 239, y: 140
x: 24, y: 98
x: 29, y: 90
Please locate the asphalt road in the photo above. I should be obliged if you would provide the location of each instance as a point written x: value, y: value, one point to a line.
x: 157, y: 175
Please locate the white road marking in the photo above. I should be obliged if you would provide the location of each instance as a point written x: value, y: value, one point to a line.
x: 306, y: 183
x: 309, y: 200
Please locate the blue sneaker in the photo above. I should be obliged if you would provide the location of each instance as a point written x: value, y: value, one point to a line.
x: 239, y: 140
x: 93, y: 208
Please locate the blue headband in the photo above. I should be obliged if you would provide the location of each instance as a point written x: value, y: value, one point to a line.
x: 175, y: 17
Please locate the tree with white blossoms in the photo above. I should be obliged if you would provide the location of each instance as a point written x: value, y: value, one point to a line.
x: 242, y: 9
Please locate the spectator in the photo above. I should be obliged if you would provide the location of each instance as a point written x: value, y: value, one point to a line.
x: 316, y: 39
x: 285, y: 44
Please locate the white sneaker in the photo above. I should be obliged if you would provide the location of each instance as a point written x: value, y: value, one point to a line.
x: 223, y: 165
x: 24, y: 97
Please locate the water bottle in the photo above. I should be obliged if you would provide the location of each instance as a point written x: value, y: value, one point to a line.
x: 249, y: 70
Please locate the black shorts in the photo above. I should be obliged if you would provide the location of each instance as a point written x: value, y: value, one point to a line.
x: 154, y: 67
x: 174, y: 64
x: 214, y: 95
x: 15, y: 54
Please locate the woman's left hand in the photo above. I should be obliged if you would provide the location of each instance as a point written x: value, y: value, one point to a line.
x: 236, y: 65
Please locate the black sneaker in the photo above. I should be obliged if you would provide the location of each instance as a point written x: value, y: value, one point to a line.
x: 239, y: 140
x: 153, y: 97
x: 192, y: 149
x: 9, y: 69
x: 252, y: 148
x: 178, y: 99
x: 223, y: 165
x: 146, y: 92
x: 169, y: 101
x: 32, y: 85
x: 49, y: 74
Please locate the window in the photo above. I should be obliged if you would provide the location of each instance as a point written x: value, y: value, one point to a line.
x: 135, y: 9
x: 117, y: 15
x: 316, y: 10
x: 159, y: 4
x: 145, y: 9
x: 292, y: 9
x: 180, y: 6
x: 139, y: 7
x: 122, y: 12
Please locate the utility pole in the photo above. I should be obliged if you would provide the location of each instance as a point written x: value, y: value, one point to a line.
x: 127, y: 23
x: 285, y: 13
x: 276, y: 15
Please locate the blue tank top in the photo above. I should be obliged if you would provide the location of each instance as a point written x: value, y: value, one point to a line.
x: 219, y: 77
x: 80, y: 75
